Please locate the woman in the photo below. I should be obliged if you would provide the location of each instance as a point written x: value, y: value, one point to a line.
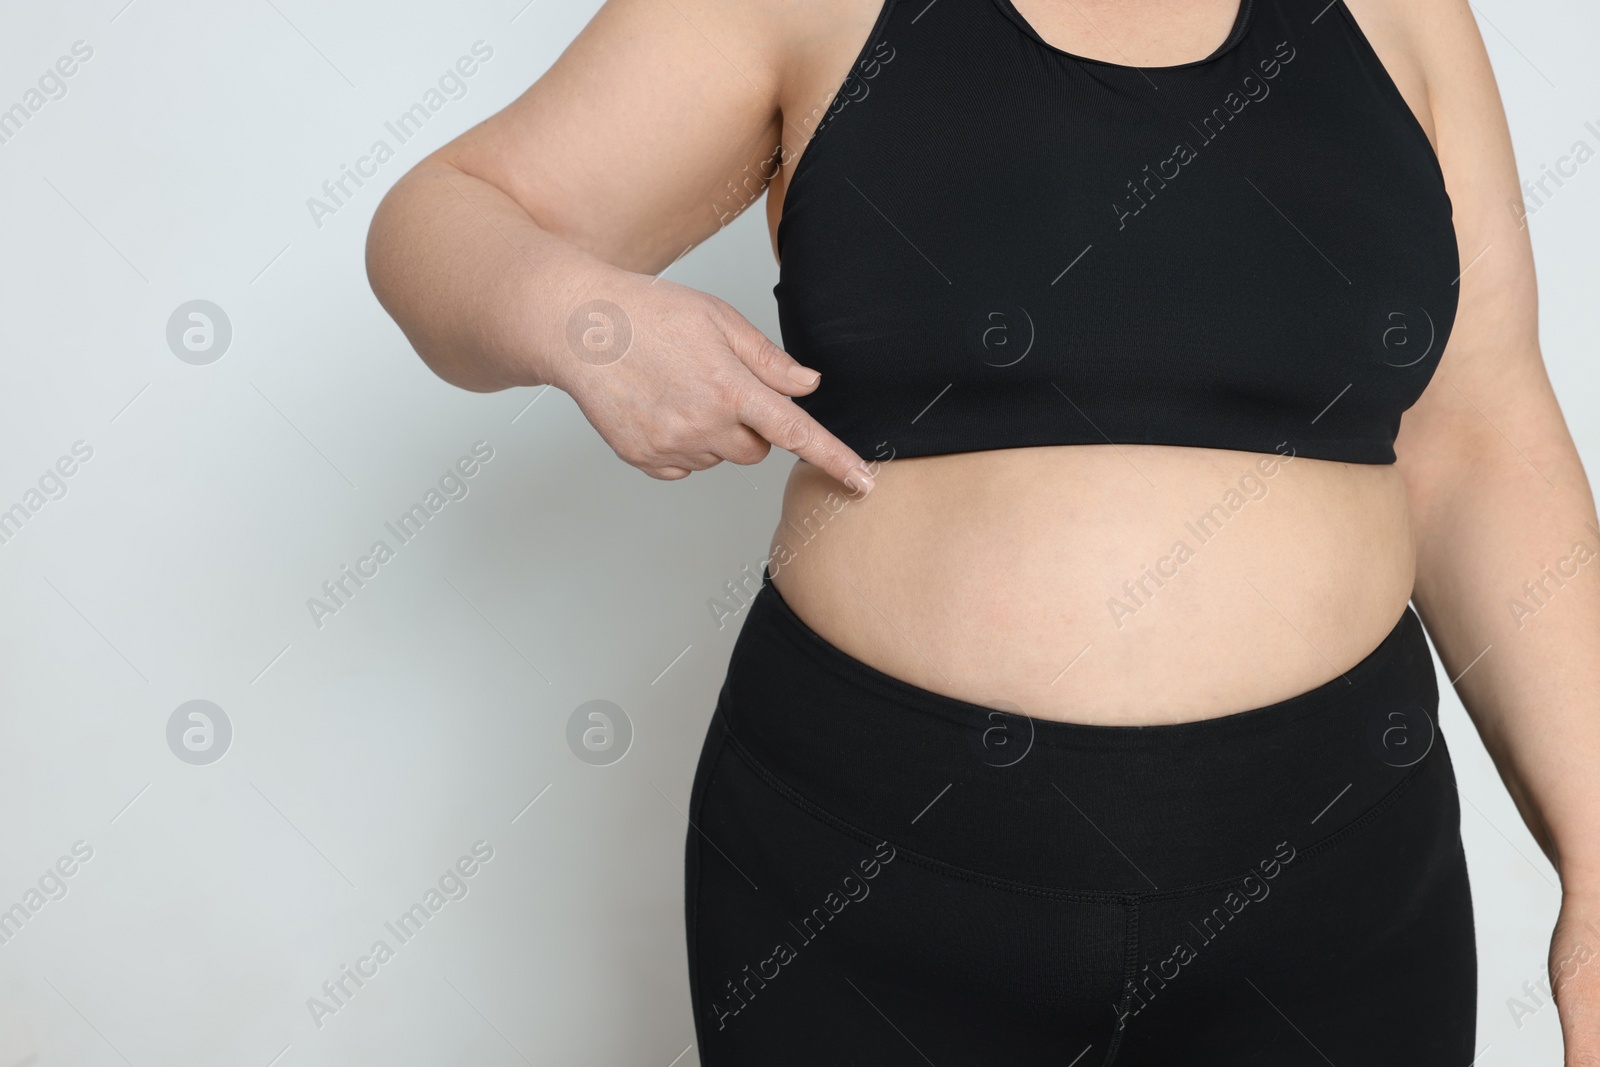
x: 1073, y: 722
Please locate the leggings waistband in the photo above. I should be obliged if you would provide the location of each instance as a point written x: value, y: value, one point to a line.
x: 1073, y: 806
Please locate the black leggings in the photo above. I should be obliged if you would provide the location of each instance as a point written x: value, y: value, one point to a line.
x: 881, y: 875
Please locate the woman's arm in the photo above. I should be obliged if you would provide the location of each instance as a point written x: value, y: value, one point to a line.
x: 611, y: 166
x: 1508, y: 573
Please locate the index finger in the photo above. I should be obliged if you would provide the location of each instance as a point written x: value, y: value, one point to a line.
x: 784, y: 423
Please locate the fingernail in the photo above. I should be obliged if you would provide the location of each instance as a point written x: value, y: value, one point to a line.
x: 803, y: 376
x: 859, y: 481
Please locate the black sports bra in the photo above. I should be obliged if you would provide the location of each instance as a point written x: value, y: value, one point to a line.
x: 992, y: 243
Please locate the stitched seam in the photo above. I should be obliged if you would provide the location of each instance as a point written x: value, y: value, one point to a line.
x: 1087, y: 896
x: 1082, y: 896
x: 1387, y: 86
x: 1130, y: 962
x: 1378, y: 808
x: 879, y: 27
x: 694, y: 812
x: 1243, y: 22
x: 1371, y: 814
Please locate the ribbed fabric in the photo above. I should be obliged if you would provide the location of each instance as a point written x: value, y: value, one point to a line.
x: 881, y: 875
x: 990, y: 243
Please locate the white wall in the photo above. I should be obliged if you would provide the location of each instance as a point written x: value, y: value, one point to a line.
x: 370, y: 753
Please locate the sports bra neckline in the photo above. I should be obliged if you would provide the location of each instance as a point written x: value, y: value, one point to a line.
x: 1241, y: 26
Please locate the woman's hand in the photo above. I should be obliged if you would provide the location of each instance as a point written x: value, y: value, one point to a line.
x: 676, y: 380
x: 1575, y: 977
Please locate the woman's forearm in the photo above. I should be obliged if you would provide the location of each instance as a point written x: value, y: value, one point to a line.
x: 480, y: 290
x: 1508, y: 583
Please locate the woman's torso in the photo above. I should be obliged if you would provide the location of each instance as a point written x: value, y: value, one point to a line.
x: 1112, y: 582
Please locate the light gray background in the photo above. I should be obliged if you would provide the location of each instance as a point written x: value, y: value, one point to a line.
x: 369, y: 754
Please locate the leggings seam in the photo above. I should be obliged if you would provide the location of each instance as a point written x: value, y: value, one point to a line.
x: 1369, y: 816
x: 1130, y: 964
x: 1366, y: 818
x: 1081, y: 896
x: 937, y: 865
x: 694, y: 828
